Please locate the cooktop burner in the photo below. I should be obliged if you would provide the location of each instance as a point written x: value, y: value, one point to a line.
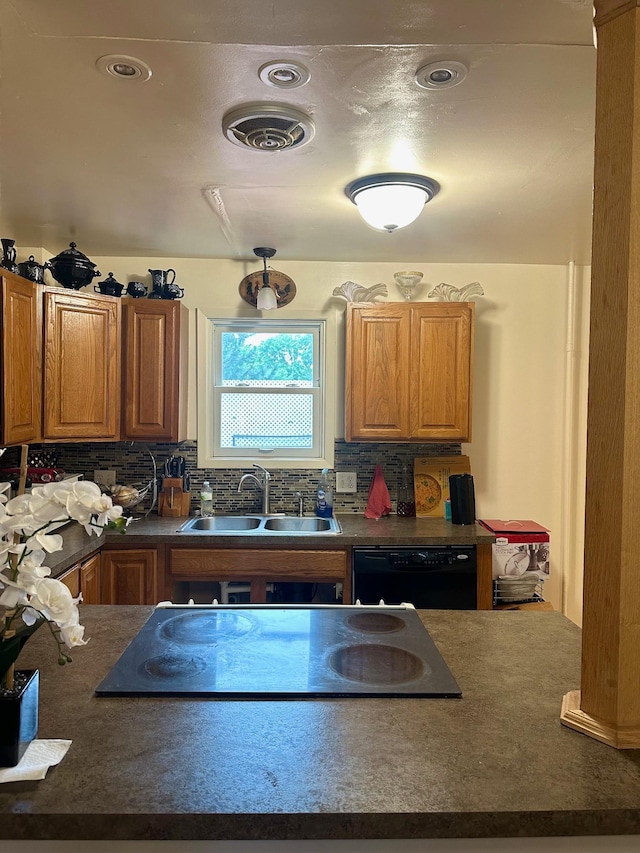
x: 281, y: 652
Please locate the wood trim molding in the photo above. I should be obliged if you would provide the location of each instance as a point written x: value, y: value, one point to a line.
x: 607, y: 10
x: 571, y: 715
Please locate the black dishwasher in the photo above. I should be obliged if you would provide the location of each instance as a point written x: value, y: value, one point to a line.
x: 436, y: 577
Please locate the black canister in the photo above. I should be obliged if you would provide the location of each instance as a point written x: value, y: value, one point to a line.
x: 463, y: 499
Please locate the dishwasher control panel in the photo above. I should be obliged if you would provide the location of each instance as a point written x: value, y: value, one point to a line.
x: 428, y: 557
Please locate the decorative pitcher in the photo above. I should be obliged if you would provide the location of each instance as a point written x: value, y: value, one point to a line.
x: 9, y: 255
x: 159, y: 280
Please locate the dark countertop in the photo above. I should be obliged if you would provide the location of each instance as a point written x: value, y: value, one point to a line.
x: 77, y: 545
x: 495, y: 763
x: 356, y: 530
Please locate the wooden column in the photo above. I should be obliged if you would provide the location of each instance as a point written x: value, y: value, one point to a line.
x: 608, y: 705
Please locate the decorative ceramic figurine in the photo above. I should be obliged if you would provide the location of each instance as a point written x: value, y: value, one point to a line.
x: 353, y: 292
x: 72, y: 268
x: 32, y: 270
x: 110, y: 287
x: 9, y: 255
x: 407, y: 281
x: 159, y: 281
x: 449, y: 293
x: 136, y: 289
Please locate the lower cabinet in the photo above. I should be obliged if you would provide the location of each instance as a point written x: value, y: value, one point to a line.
x: 258, y: 567
x: 129, y: 576
x: 84, y: 579
x: 90, y: 580
x: 71, y: 579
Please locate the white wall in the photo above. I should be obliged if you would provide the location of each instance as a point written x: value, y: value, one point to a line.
x: 519, y: 450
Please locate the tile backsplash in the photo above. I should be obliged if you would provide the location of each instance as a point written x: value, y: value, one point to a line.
x: 133, y: 465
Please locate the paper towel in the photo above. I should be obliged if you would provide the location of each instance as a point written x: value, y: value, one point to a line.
x: 39, y: 756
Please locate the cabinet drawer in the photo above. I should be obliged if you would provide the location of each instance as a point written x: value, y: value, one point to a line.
x: 228, y: 564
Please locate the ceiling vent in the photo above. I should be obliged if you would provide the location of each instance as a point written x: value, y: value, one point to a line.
x: 268, y: 127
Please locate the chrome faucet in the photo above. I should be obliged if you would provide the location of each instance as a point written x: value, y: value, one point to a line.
x: 262, y: 482
x: 300, y: 496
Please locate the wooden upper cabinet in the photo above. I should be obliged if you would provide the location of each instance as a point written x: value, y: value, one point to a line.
x: 409, y: 371
x: 21, y: 317
x: 155, y: 362
x: 81, y: 366
x: 440, y: 373
x: 376, y: 386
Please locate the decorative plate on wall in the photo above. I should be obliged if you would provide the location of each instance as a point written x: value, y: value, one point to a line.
x: 282, y: 285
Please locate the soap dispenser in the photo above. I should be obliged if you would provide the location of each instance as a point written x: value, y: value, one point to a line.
x: 324, y: 496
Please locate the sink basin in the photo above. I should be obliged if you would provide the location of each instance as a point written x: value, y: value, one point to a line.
x: 221, y: 524
x: 260, y: 525
x: 298, y: 525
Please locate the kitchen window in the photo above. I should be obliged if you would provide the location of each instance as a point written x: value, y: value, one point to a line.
x: 265, y: 393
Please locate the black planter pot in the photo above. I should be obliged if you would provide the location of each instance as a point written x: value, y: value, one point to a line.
x: 19, y: 716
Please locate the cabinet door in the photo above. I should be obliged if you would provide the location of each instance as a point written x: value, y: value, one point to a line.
x: 81, y: 366
x: 21, y: 415
x: 155, y: 352
x: 377, y: 372
x: 71, y: 579
x: 129, y: 576
x: 90, y: 580
x: 441, y: 371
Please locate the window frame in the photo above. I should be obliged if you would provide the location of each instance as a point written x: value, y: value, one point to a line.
x: 324, y: 387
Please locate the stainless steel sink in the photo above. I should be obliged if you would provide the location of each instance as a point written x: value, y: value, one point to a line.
x: 295, y: 524
x: 221, y: 524
x: 259, y: 525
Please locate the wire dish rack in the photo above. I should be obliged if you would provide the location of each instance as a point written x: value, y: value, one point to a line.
x: 505, y: 592
x: 130, y: 496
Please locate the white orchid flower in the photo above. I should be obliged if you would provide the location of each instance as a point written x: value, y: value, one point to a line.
x: 18, y: 505
x: 72, y: 635
x: 12, y: 595
x: 27, y: 525
x: 54, y: 600
x: 30, y: 616
x: 50, y: 542
x: 29, y: 578
x: 44, y: 510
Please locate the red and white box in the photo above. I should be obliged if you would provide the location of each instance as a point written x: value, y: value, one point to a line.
x: 521, y: 546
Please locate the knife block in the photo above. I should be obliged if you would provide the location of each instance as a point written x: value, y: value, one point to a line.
x: 173, y: 501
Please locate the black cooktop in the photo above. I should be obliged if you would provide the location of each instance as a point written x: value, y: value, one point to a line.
x: 281, y: 652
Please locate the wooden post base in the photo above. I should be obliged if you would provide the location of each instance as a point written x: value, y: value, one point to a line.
x: 573, y: 717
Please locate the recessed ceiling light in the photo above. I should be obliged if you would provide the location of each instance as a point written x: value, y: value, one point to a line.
x: 124, y: 67
x: 283, y: 74
x: 441, y: 75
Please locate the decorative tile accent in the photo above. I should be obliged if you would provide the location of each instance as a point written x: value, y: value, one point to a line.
x: 133, y: 466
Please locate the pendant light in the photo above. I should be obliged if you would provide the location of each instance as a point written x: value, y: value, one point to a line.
x: 391, y: 200
x: 266, y: 297
x: 267, y: 289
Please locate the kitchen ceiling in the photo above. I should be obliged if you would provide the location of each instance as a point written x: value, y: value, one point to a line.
x: 131, y: 167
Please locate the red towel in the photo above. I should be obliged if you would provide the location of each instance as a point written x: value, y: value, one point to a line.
x: 379, y: 503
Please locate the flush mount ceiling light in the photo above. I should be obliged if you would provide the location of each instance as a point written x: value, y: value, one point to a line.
x: 391, y: 200
x: 441, y: 75
x: 267, y: 289
x: 124, y: 67
x: 267, y: 127
x: 284, y: 75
